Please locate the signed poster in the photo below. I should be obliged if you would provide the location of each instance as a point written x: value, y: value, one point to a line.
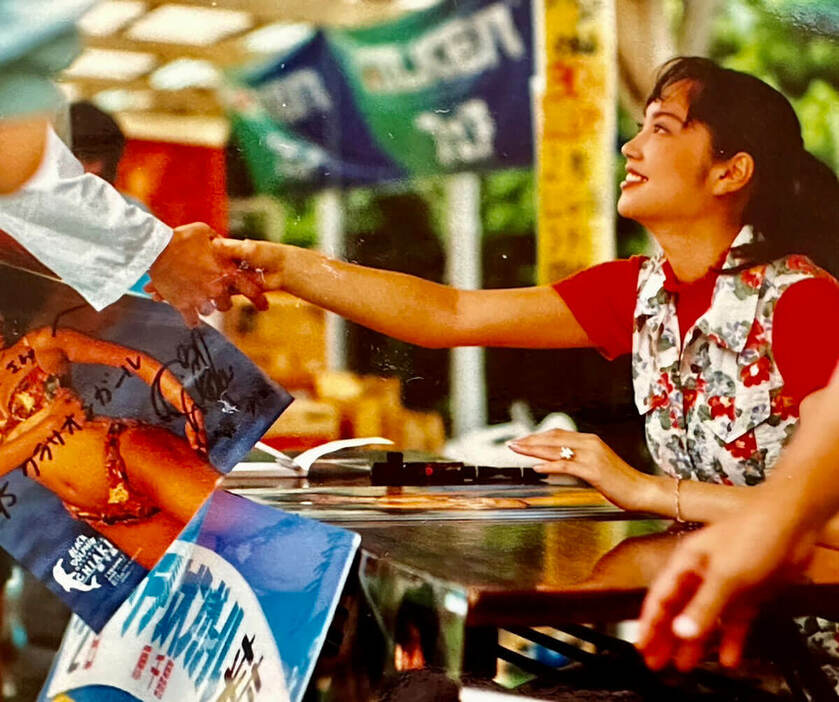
x: 114, y: 429
x: 237, y: 609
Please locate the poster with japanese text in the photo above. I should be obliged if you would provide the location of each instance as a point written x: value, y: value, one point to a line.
x: 114, y: 429
x: 237, y: 609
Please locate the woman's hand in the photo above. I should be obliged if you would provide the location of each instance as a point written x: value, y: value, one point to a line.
x: 262, y: 259
x: 592, y: 461
x: 716, y: 579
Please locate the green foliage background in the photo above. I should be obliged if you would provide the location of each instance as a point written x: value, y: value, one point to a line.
x: 794, y: 46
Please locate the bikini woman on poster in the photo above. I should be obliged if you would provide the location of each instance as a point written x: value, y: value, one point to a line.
x: 134, y: 482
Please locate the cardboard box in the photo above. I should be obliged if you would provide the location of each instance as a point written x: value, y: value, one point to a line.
x: 288, y: 341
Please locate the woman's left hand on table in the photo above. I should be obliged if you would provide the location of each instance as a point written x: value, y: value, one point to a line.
x: 589, y: 459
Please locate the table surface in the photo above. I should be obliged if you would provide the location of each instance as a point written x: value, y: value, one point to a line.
x: 547, y: 554
x: 576, y: 570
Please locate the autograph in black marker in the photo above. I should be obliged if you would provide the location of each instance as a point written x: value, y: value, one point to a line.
x: 210, y: 382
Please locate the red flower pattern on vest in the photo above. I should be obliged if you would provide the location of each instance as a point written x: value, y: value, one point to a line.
x: 715, y: 409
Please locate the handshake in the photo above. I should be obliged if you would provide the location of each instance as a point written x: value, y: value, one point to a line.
x: 199, y: 271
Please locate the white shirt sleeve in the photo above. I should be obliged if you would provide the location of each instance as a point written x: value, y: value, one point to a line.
x: 80, y: 227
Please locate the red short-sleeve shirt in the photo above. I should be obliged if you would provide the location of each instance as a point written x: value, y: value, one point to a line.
x: 805, y: 335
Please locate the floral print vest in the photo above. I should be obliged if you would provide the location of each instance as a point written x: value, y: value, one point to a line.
x: 716, y: 410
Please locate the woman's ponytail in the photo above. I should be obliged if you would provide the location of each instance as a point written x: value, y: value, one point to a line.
x: 814, y: 213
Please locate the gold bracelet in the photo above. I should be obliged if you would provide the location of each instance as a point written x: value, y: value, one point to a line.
x: 679, y: 519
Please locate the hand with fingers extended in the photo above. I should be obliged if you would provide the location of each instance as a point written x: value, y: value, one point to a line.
x: 715, y: 581
x: 587, y: 457
x: 193, y: 278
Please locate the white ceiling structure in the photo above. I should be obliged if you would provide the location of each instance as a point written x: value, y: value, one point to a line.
x: 159, y: 62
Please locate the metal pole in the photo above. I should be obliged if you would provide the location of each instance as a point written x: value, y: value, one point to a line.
x: 329, y: 210
x: 463, y: 225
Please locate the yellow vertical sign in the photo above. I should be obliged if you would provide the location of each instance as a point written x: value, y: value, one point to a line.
x: 576, y: 100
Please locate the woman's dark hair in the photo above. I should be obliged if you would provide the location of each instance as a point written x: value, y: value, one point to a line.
x: 794, y: 202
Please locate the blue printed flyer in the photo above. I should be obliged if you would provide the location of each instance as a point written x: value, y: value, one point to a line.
x: 115, y: 427
x: 237, y: 609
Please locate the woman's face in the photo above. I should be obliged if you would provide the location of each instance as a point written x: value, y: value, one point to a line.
x: 667, y: 163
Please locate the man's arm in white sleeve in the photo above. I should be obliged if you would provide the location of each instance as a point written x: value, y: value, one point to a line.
x: 82, y: 228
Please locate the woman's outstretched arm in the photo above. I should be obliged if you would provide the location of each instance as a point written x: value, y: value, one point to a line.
x: 410, y: 308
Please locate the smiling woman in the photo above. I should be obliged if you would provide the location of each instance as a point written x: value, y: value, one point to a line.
x: 723, y: 326
x: 107, y: 471
x: 726, y: 326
